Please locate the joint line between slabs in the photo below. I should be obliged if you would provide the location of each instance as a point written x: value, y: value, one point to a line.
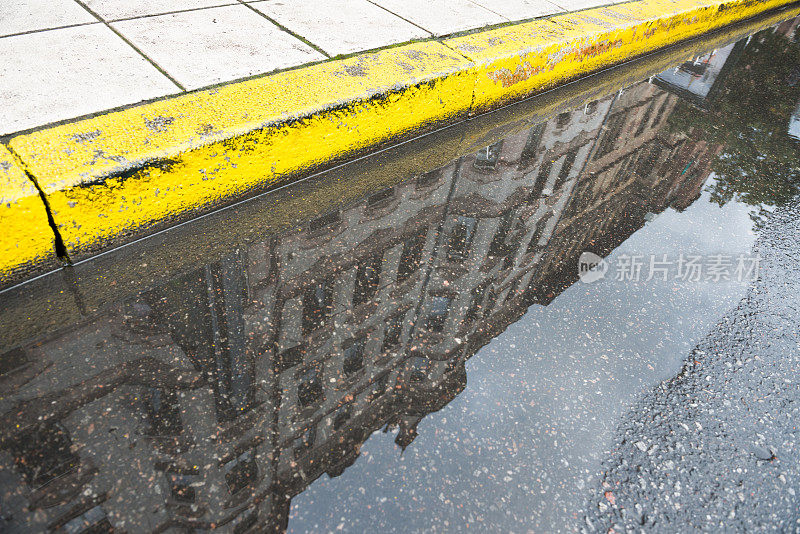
x: 285, y: 29
x: 129, y: 43
x: 400, y: 17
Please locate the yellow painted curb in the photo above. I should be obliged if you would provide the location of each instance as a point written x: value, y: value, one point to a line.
x: 515, y: 61
x: 125, y: 173
x: 26, y: 238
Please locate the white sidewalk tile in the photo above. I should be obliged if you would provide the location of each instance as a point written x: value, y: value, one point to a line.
x: 576, y: 5
x: 520, y: 9
x: 60, y: 74
x: 120, y: 9
x: 17, y: 16
x: 441, y: 17
x: 200, y: 48
x: 340, y: 26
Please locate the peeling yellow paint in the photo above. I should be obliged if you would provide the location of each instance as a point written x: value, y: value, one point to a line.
x: 519, y: 60
x: 26, y: 239
x: 124, y: 173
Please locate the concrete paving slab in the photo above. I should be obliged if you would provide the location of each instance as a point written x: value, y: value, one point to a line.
x: 120, y: 9
x: 208, y: 46
x: 59, y: 74
x: 19, y: 16
x: 441, y: 17
x: 520, y: 9
x: 576, y: 5
x: 341, y: 26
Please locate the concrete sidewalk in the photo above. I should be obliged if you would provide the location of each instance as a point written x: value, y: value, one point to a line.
x: 68, y: 58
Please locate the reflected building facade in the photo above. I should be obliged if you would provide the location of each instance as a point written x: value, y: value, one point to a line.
x: 209, y: 402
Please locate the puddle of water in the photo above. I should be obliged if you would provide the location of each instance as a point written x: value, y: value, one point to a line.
x: 525, y: 438
x: 413, y: 355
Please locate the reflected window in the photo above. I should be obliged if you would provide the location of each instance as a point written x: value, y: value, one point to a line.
x: 461, y: 239
x: 309, y: 388
x: 429, y: 179
x: 566, y: 167
x: 590, y: 108
x: 563, y: 119
x: 341, y: 416
x: 411, y: 257
x: 304, y: 442
x: 93, y: 520
x: 487, y: 158
x: 329, y: 219
x: 317, y: 306
x: 498, y: 246
x: 645, y: 119
x: 648, y: 159
x: 381, y: 197
x: 508, y: 261
x: 476, y: 298
x: 44, y: 454
x: 661, y: 109
x: 612, y: 135
x: 163, y: 412
x: 241, y: 472
x: 11, y: 360
x: 512, y: 291
x: 392, y: 333
x: 419, y: 368
x: 245, y: 523
x: 542, y: 177
x: 378, y: 387
x: 533, y: 245
x: 439, y: 309
x: 291, y: 357
x: 368, y: 274
x: 234, y: 387
x: 181, y: 486
x: 354, y: 357
x: 491, y: 300
x: 532, y: 144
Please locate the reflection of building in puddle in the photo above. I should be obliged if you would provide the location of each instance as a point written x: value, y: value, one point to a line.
x: 794, y: 124
x: 700, y: 79
x: 211, y: 401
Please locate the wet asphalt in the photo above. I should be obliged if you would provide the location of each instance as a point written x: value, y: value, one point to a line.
x: 716, y: 447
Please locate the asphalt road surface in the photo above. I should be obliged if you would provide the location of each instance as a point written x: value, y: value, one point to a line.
x: 716, y: 447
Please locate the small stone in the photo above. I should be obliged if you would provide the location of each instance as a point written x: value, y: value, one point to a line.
x: 762, y: 453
